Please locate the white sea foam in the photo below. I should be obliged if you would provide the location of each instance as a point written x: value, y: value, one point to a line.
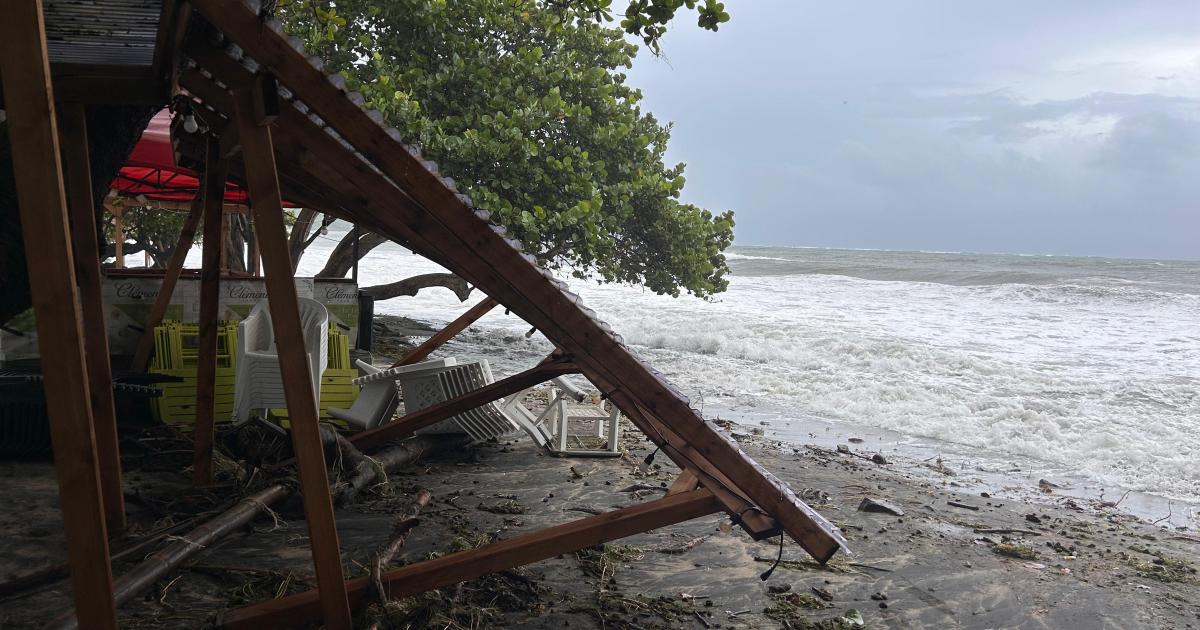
x: 1087, y: 363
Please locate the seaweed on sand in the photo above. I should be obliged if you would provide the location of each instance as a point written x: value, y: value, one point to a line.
x: 480, y: 603
x: 1160, y: 566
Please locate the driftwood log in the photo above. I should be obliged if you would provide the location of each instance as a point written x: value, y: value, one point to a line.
x: 185, y: 547
x: 405, y: 521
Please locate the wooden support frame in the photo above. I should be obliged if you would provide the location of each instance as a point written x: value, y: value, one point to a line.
x: 418, y: 354
x: 33, y: 133
x: 73, y: 136
x: 141, y: 355
x: 303, y: 608
x: 446, y: 228
x: 215, y: 169
x: 263, y: 184
x: 406, y: 425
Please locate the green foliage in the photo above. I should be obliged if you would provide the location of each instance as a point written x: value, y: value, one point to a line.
x: 530, y: 114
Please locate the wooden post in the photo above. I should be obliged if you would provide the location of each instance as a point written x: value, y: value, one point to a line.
x: 33, y: 134
x: 174, y: 267
x: 225, y: 247
x: 118, y: 236
x: 434, y: 414
x: 438, y: 340
x: 73, y: 126
x: 263, y: 183
x: 215, y: 169
x: 302, y: 608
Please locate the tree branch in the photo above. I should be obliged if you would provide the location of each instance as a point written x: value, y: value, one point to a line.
x: 411, y: 286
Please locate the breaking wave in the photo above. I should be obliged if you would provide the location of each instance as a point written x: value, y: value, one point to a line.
x: 1089, y: 363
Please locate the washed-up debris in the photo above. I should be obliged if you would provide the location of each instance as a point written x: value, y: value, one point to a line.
x: 503, y: 507
x: 881, y: 507
x: 643, y: 487
x: 1007, y: 530
x: 878, y: 458
x: 814, y: 495
x: 1020, y: 552
x: 685, y: 547
x: 822, y: 593
x: 855, y: 440
x: 965, y: 506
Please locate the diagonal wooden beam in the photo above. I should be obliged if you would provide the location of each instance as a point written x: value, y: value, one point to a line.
x: 263, y: 184
x: 141, y: 355
x: 33, y: 135
x: 73, y: 129
x: 434, y: 414
x: 303, y: 608
x: 210, y: 295
x: 444, y: 226
x: 438, y: 340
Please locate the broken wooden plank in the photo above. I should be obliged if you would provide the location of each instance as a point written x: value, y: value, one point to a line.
x: 418, y: 354
x: 141, y: 356
x: 303, y: 608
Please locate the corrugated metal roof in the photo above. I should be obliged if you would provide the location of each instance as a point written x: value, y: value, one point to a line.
x: 111, y: 32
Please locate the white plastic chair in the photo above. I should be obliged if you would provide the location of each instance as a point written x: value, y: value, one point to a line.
x: 378, y: 399
x: 568, y: 405
x: 427, y: 387
x: 259, y: 385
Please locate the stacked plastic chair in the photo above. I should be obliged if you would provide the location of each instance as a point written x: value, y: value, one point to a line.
x: 259, y: 383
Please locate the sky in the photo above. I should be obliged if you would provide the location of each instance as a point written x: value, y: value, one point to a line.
x: 1068, y: 128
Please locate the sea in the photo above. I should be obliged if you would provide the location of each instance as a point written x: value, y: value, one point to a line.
x: 1083, y: 371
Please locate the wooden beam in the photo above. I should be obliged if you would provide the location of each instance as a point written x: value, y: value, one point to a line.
x: 685, y: 482
x: 141, y: 355
x: 452, y: 230
x: 33, y: 135
x: 73, y: 128
x: 263, y: 183
x: 210, y: 295
x: 111, y: 85
x: 418, y: 354
x: 429, y: 416
x: 172, y: 24
x: 303, y: 608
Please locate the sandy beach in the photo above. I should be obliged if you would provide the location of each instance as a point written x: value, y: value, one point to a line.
x: 1011, y: 556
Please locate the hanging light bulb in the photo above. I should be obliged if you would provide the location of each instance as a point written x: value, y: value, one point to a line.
x: 324, y: 230
x: 3, y: 115
x: 189, y: 124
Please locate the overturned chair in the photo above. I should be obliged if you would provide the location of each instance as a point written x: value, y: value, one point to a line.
x: 259, y: 385
x: 570, y: 407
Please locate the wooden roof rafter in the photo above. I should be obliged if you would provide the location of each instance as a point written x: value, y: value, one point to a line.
x: 439, y: 221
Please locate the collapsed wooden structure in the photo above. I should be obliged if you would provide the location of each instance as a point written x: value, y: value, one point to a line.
x: 279, y: 125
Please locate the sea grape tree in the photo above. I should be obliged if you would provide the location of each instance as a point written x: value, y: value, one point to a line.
x: 525, y: 105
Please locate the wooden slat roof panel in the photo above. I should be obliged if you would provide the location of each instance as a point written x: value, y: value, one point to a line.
x: 108, y: 32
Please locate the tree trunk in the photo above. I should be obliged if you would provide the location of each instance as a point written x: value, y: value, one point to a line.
x: 298, y: 238
x: 414, y: 284
x: 112, y: 132
x: 341, y: 259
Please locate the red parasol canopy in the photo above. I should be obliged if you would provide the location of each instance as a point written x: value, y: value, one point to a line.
x: 151, y: 170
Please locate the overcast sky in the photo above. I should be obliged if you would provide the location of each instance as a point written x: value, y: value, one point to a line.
x: 1026, y: 127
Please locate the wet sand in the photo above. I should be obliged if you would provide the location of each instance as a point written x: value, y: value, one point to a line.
x: 937, y: 566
